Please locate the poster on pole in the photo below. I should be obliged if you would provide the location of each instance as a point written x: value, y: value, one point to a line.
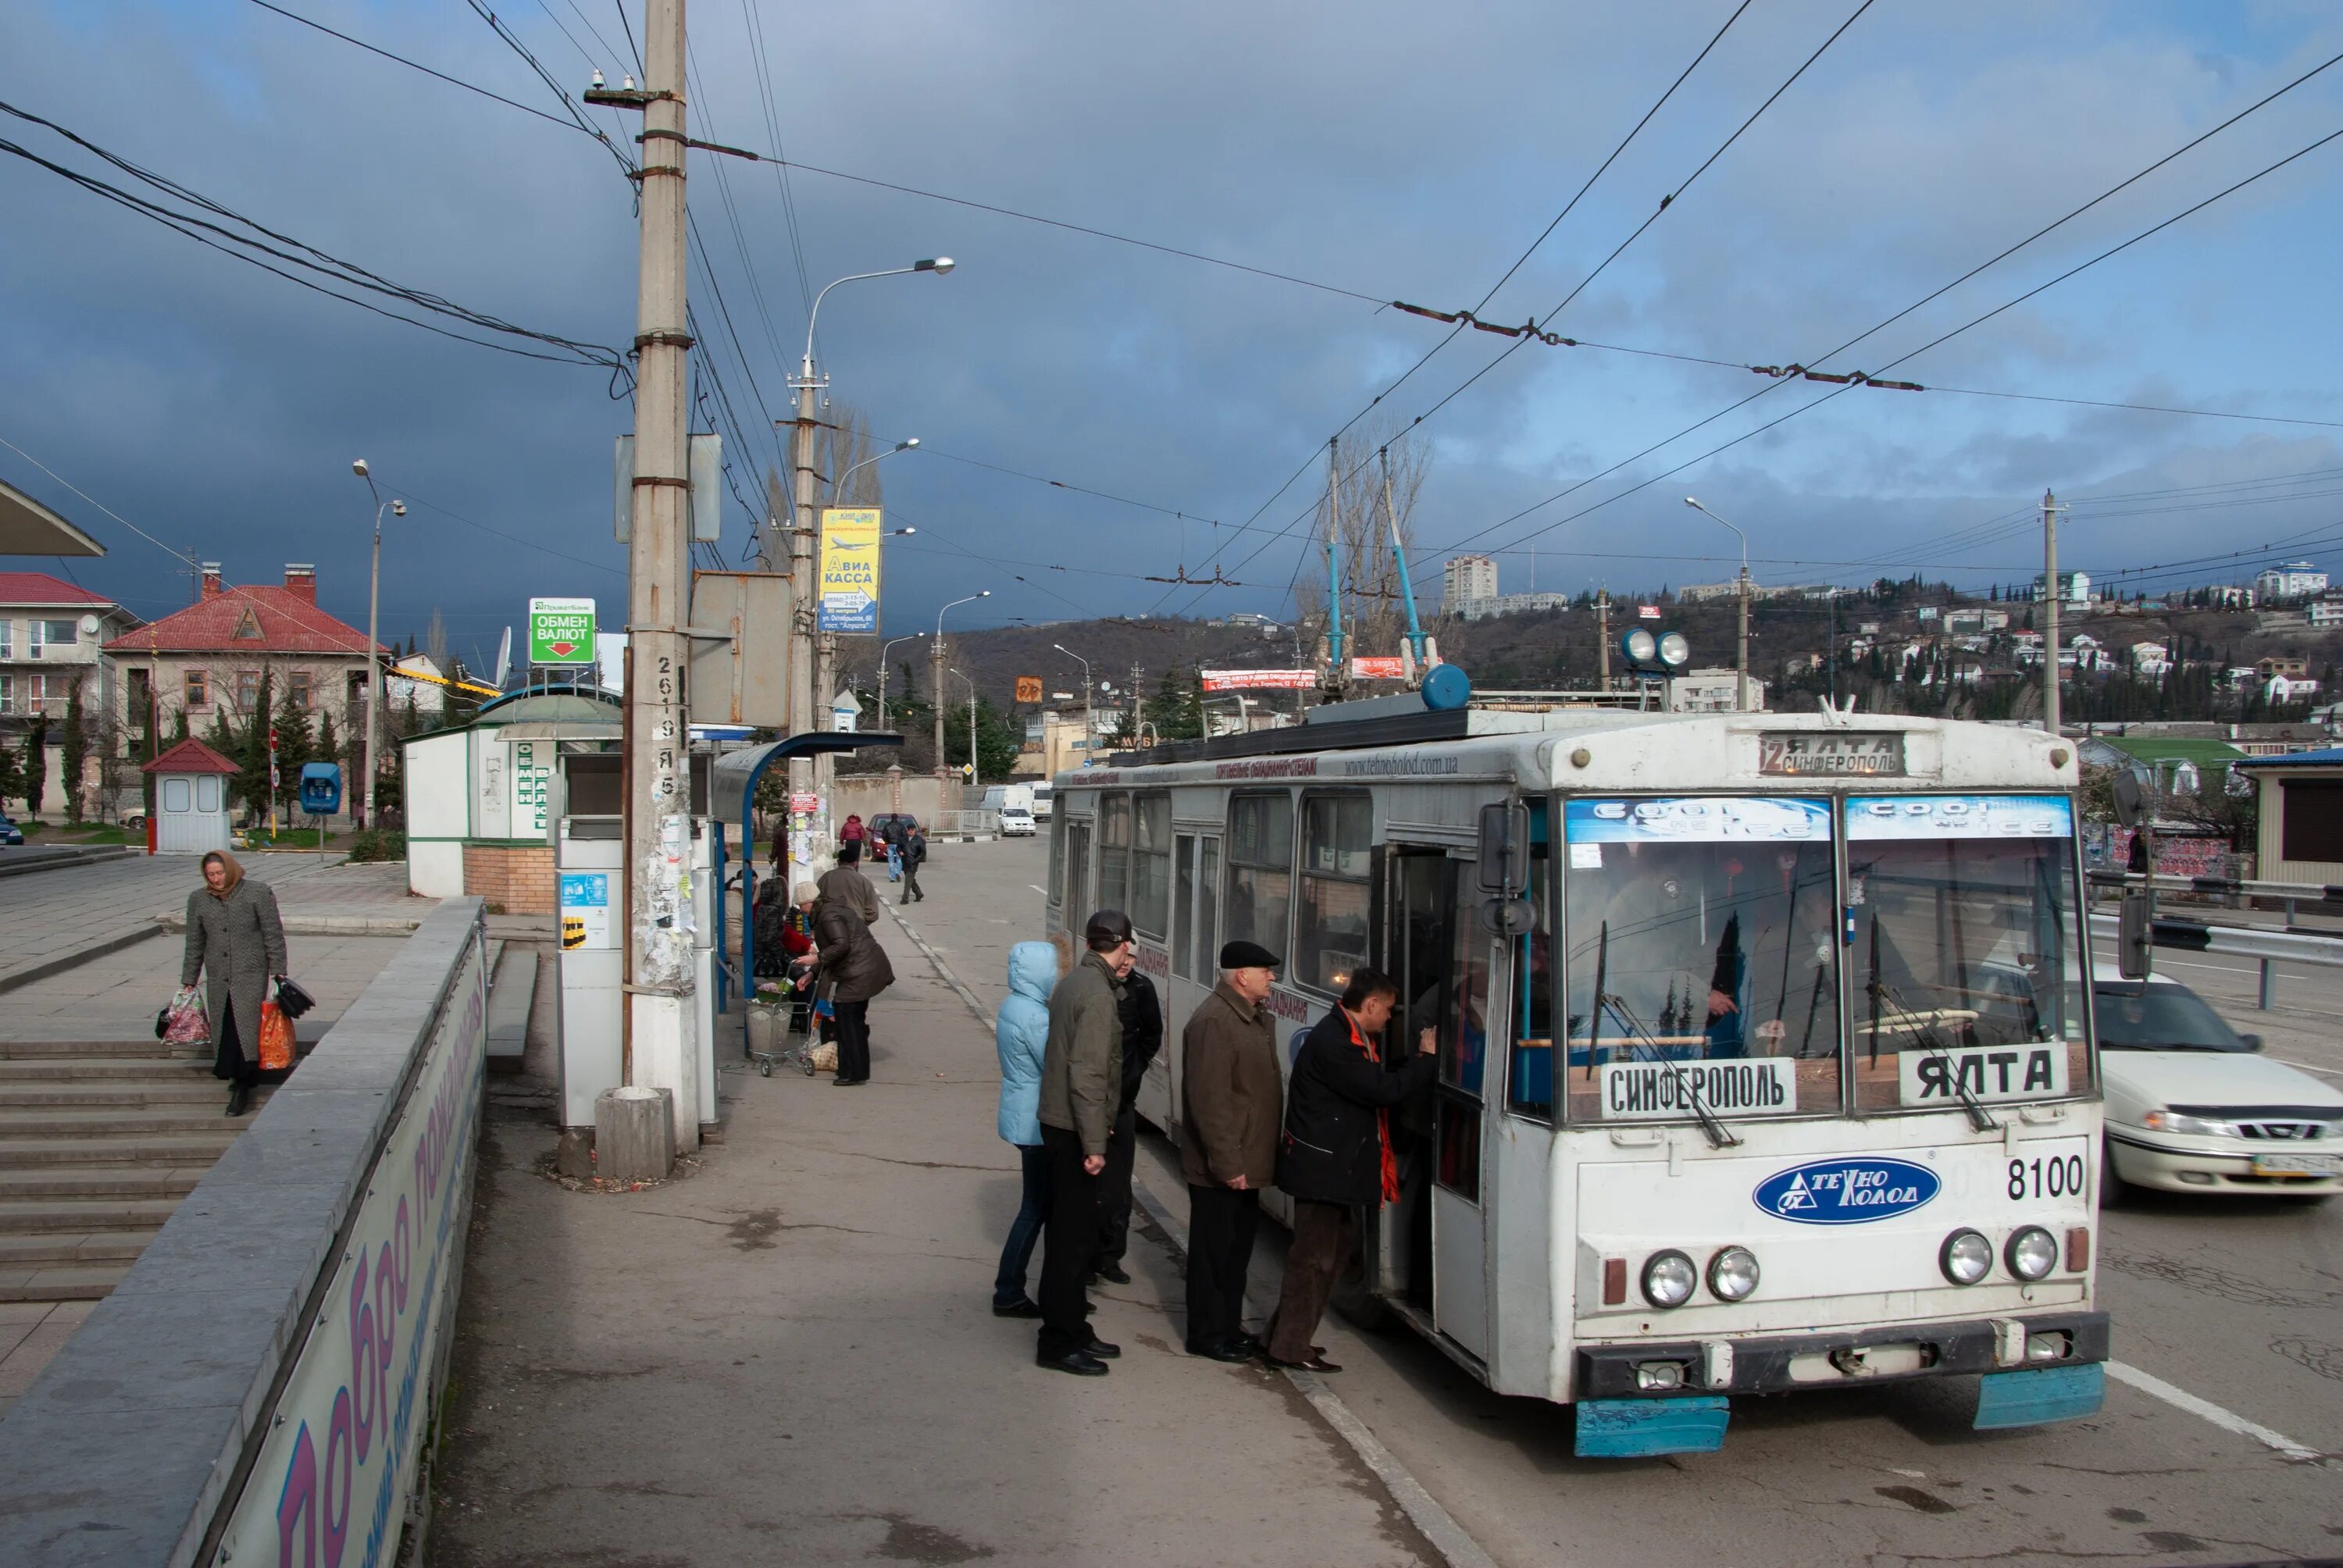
x: 561, y: 631
x: 848, y: 588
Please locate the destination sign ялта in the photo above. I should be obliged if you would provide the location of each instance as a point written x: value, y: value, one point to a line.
x: 1809, y: 754
x: 561, y: 631
x: 849, y: 586
x: 1934, y: 1080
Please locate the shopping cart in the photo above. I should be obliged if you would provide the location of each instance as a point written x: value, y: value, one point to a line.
x: 781, y: 1023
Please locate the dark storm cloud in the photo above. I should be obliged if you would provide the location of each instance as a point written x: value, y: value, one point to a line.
x: 1382, y: 148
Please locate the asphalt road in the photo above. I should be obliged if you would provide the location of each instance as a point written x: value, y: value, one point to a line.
x: 2225, y: 1445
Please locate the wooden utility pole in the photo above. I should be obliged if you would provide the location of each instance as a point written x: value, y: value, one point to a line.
x: 658, y: 1018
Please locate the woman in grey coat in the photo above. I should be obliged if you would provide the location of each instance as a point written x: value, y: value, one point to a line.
x: 234, y: 937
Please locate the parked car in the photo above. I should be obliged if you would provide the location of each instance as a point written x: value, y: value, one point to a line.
x: 888, y: 827
x: 1016, y: 821
x: 2191, y: 1107
x: 10, y: 833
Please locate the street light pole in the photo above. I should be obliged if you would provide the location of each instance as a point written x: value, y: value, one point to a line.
x: 1087, y: 719
x: 936, y: 681
x: 374, y: 670
x: 1740, y: 665
x: 882, y: 672
x: 975, y: 775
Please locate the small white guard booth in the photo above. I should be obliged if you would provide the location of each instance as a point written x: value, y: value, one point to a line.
x: 190, y: 799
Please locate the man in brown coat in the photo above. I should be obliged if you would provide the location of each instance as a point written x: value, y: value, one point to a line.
x: 1231, y: 1101
x: 1081, y: 1080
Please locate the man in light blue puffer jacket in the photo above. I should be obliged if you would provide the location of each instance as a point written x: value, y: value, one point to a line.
x: 1021, y: 1032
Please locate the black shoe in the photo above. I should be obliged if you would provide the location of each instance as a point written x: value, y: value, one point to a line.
x: 239, y: 1099
x: 1316, y: 1363
x: 1221, y: 1351
x: 1101, y: 1349
x: 1113, y: 1274
x: 1022, y: 1307
x: 1252, y: 1344
x: 1082, y: 1363
x: 847, y: 1082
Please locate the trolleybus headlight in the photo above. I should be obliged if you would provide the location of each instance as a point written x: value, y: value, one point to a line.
x: 1966, y: 1258
x: 1668, y: 1279
x: 1733, y: 1274
x: 2032, y: 1253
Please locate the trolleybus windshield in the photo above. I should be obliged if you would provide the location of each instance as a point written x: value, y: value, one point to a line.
x: 1965, y: 949
x: 1702, y: 964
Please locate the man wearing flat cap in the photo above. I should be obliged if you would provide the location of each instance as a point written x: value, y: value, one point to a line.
x: 1082, y: 1089
x: 1231, y: 1105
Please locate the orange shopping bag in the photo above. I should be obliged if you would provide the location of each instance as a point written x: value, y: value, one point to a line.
x: 276, y: 1038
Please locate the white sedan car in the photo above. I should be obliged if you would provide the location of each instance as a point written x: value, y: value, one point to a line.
x: 2191, y: 1108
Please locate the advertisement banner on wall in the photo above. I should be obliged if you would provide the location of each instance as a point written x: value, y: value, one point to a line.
x: 848, y: 588
x: 334, y: 1476
x: 1258, y: 680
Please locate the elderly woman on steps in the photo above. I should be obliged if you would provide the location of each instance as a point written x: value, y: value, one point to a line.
x: 235, y: 936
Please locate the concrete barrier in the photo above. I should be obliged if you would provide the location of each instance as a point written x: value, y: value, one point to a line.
x: 259, y: 1387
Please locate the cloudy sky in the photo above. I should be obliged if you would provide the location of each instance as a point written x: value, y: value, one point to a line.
x: 1376, y: 150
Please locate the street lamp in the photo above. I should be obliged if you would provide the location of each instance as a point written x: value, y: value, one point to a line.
x: 882, y: 669
x: 936, y: 681
x: 940, y: 265
x: 1085, y: 663
x: 973, y: 780
x: 1741, y: 667
x: 838, y: 486
x: 374, y: 597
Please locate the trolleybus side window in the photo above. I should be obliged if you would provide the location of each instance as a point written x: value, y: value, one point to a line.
x: 1967, y: 962
x: 1151, y: 863
x: 1183, y: 906
x: 1077, y: 871
x: 1261, y: 868
x: 1329, y: 935
x: 1529, y: 1083
x: 1707, y: 928
x: 1208, y: 909
x: 1114, y: 851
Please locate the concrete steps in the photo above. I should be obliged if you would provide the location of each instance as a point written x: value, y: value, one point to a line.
x: 99, y: 1140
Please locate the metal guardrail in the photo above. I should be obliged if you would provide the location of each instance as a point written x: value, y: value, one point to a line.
x: 2268, y: 948
x: 965, y: 825
x: 2226, y: 887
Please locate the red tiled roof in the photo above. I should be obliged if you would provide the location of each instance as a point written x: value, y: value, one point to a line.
x: 191, y: 756
x: 40, y: 588
x: 287, y: 622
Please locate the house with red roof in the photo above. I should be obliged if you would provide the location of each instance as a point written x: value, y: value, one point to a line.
x: 52, y: 638
x: 207, y: 660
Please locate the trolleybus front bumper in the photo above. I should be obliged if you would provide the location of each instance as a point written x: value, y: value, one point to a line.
x: 1782, y: 1363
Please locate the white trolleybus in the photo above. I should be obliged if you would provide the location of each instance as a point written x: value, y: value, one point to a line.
x: 1766, y: 1062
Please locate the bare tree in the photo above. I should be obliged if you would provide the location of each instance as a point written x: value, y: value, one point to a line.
x: 435, y: 642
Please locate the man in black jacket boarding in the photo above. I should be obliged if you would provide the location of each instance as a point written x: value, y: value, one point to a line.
x: 1335, y: 1153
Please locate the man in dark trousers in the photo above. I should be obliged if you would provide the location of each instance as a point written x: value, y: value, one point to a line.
x: 1230, y: 1097
x: 1081, y: 1084
x: 1335, y: 1155
x: 1143, y: 1037
x: 914, y: 850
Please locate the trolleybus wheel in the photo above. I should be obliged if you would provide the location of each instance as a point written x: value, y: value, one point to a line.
x: 2113, y: 1188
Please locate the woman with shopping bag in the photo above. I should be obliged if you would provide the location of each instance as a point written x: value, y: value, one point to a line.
x: 235, y: 941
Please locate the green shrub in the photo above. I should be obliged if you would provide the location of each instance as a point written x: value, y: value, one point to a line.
x: 376, y: 845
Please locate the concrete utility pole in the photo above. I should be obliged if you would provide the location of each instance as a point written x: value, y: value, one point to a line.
x: 806, y: 690
x: 1740, y: 665
x: 936, y: 696
x: 374, y: 684
x: 2050, y: 510
x: 1138, y: 701
x: 1603, y: 632
x: 659, y: 1049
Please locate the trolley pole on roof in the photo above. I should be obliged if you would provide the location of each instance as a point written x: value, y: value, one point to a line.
x: 656, y: 1012
x: 1333, y: 563
x: 1399, y: 554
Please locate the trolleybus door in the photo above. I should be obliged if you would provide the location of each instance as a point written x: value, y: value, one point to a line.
x: 1433, y: 1239
x: 1195, y: 956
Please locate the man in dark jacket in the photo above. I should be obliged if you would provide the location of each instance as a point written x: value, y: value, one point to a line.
x: 1081, y: 1083
x: 1335, y: 1157
x: 845, y: 883
x: 1143, y: 1037
x: 1230, y: 1099
x: 914, y: 851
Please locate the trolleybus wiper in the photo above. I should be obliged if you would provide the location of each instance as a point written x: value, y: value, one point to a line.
x: 1719, y: 1135
x: 1980, y: 1119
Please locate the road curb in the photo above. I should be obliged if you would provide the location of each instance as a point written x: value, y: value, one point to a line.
x: 1436, y: 1524
x: 75, y: 959
x: 303, y: 925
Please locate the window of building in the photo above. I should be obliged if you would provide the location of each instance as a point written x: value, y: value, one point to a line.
x: 7, y: 694
x: 2313, y: 819
x: 177, y: 794
x: 141, y: 700
x: 198, y: 688
x: 8, y: 638
x: 247, y: 689
x: 1329, y: 936
x: 1151, y: 865
x: 296, y: 686
x: 355, y: 695
x: 1261, y: 868
x: 1114, y: 851
x: 53, y: 633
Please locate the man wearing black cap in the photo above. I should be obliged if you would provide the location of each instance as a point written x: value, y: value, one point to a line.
x: 1082, y: 1087
x: 1231, y: 1105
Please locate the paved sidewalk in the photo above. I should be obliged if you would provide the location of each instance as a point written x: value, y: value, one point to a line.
x: 47, y: 918
x: 790, y: 1357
